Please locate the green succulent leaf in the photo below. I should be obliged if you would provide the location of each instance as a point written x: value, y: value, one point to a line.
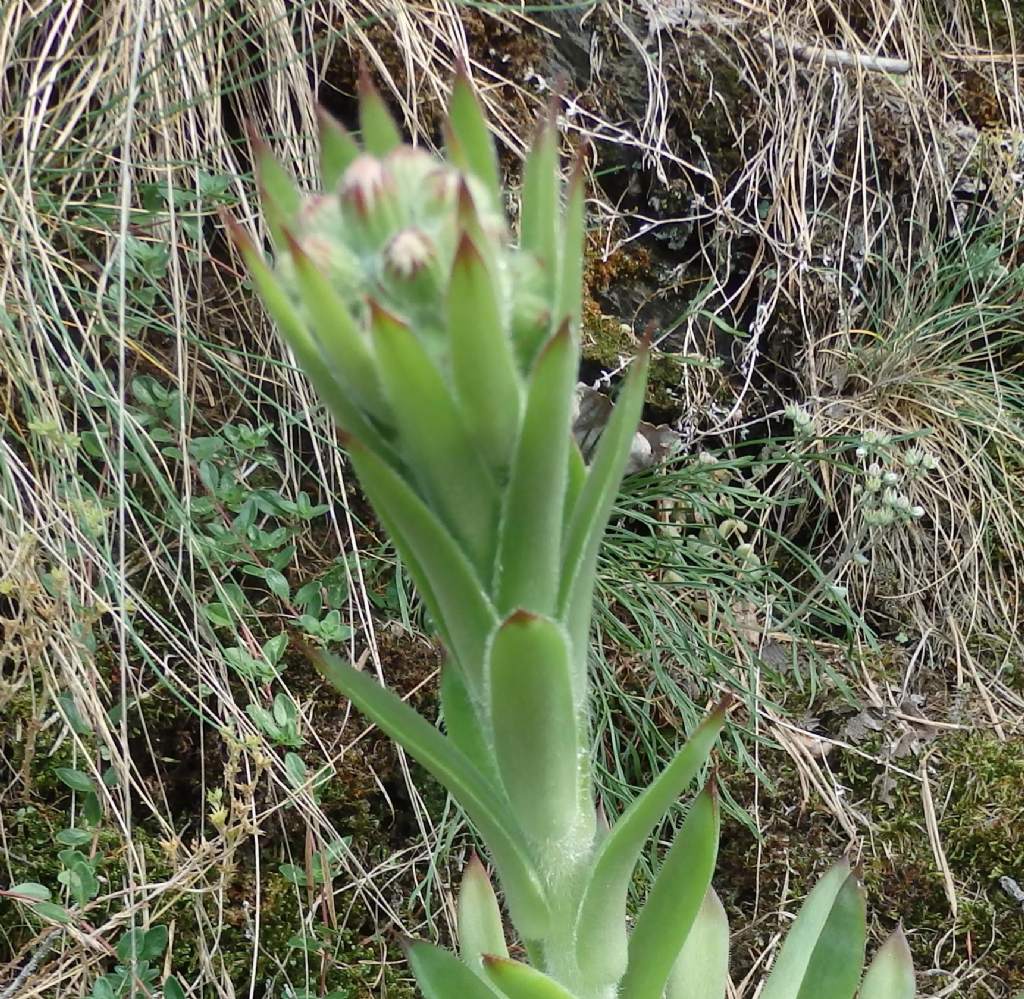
x: 570, y: 288
x: 463, y: 723
x: 591, y: 513
x: 891, y: 973
x: 536, y: 741
x: 790, y: 970
x: 295, y: 333
x: 441, y: 975
x: 278, y: 194
x: 530, y: 543
x: 345, y: 350
x: 437, y: 754
x: 480, y: 928
x: 483, y: 365
x: 702, y: 969
x: 338, y: 149
x: 519, y: 981
x: 835, y: 965
x: 437, y: 564
x: 473, y: 148
x: 602, y: 947
x: 674, y: 901
x: 539, y: 214
x: 577, y: 479
x: 380, y: 134
x: 435, y: 439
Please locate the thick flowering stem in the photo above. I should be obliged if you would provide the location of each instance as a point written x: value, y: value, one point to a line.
x: 448, y: 355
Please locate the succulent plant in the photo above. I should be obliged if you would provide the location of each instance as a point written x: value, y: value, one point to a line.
x: 448, y: 355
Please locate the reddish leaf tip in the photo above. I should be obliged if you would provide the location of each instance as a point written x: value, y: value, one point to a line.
x: 236, y: 231
x: 349, y: 441
x: 258, y: 143
x: 466, y: 206
x: 326, y: 121
x: 381, y: 318
x: 367, y: 88
x: 466, y: 252
x: 294, y: 247
x: 647, y: 338
x: 406, y: 942
x: 494, y: 961
x: 557, y: 338
x: 520, y: 616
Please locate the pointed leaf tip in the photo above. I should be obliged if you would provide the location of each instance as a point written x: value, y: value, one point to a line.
x: 380, y: 133
x: 256, y: 141
x: 364, y: 81
x: 236, y: 231
x: 338, y: 148
x: 294, y: 246
x: 466, y: 252
x: 891, y: 972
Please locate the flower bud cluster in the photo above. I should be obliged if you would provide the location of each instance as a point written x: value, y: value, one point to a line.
x: 885, y: 501
x: 804, y: 427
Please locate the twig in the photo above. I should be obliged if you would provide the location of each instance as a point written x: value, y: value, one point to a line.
x: 834, y: 58
x: 33, y: 963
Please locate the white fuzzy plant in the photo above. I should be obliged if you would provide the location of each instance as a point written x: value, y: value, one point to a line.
x: 448, y: 356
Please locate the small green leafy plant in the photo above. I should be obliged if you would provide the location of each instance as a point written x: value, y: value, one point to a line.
x: 449, y: 358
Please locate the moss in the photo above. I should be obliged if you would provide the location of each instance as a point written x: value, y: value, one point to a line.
x: 607, y: 342
x: 975, y: 781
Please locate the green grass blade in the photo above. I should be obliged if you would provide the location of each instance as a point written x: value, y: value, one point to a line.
x: 591, y: 513
x: 530, y: 543
x: 674, y: 901
x: 520, y: 981
x: 483, y: 366
x: 480, y: 928
x: 433, y: 556
x: 891, y: 973
x: 473, y: 150
x: 436, y: 441
x: 702, y: 969
x: 441, y: 975
x: 789, y: 970
x: 601, y: 935
x: 536, y: 742
x: 338, y: 148
x: 437, y: 754
x: 835, y: 966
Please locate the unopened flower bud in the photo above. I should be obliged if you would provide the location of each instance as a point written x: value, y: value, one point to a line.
x: 364, y: 183
x: 408, y: 253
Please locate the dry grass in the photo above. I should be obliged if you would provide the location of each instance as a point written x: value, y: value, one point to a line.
x: 810, y: 195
